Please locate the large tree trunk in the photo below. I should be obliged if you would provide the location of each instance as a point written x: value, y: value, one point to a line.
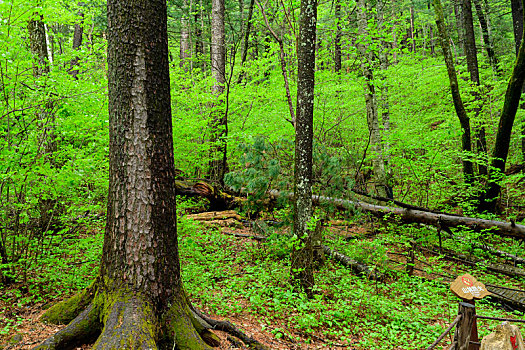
x: 302, y: 251
x: 468, y: 170
x: 372, y: 117
x: 219, y: 122
x: 506, y: 122
x: 138, y: 301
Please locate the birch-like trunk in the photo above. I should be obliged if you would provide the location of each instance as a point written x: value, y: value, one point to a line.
x: 304, y: 229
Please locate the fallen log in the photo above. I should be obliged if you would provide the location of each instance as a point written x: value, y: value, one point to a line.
x: 516, y: 260
x: 507, y: 229
x: 219, y: 200
x: 504, y: 269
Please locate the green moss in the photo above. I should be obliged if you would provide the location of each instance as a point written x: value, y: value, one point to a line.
x: 65, y: 311
x: 181, y: 326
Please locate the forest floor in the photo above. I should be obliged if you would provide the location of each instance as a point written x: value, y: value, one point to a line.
x: 246, y: 282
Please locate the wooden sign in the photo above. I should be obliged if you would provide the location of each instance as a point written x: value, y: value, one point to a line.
x: 468, y: 288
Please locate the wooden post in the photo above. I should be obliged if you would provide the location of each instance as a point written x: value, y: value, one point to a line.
x: 474, y: 338
x: 464, y: 329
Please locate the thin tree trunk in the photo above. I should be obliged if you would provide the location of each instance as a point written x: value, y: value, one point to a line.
x: 199, y: 40
x: 459, y: 25
x: 338, y: 35
x: 468, y: 170
x: 302, y: 251
x: 219, y: 123
x: 185, y: 44
x: 412, y: 30
x: 282, y: 58
x: 372, y: 117
x: 472, y: 65
x: 246, y: 39
x: 487, y: 40
x: 506, y: 122
x: 517, y: 21
x: 384, y: 102
x: 77, y: 43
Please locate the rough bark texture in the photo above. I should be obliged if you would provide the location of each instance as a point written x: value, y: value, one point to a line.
x: 137, y: 302
x: 506, y: 122
x: 444, y: 40
x: 372, y: 117
x: 302, y: 252
x: 219, y: 122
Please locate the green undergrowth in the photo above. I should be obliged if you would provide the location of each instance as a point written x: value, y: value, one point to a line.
x: 230, y: 277
x: 65, y: 265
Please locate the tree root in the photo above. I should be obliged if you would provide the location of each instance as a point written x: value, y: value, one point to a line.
x: 229, y: 328
x: 122, y: 319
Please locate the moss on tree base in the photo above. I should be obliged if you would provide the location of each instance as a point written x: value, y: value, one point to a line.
x: 118, y: 318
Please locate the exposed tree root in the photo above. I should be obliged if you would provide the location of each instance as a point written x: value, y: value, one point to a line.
x: 122, y: 319
x: 229, y: 328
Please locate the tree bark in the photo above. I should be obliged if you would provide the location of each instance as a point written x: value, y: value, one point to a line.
x: 372, y: 117
x: 506, y: 122
x: 443, y: 220
x: 472, y: 66
x: 338, y: 36
x: 459, y: 25
x: 468, y: 170
x: 302, y: 251
x: 185, y: 42
x: 487, y: 39
x: 77, y: 43
x: 219, y: 122
x: 199, y: 40
x: 246, y: 39
x: 138, y: 301
x: 517, y: 21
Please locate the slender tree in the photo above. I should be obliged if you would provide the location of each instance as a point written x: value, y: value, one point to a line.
x: 185, y: 35
x: 246, y: 40
x: 468, y: 170
x: 78, y: 35
x: 302, y: 253
x: 372, y: 114
x: 472, y: 66
x: 517, y: 23
x: 219, y: 122
x: 338, y: 35
x: 487, y: 39
x: 506, y: 122
x: 137, y: 301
